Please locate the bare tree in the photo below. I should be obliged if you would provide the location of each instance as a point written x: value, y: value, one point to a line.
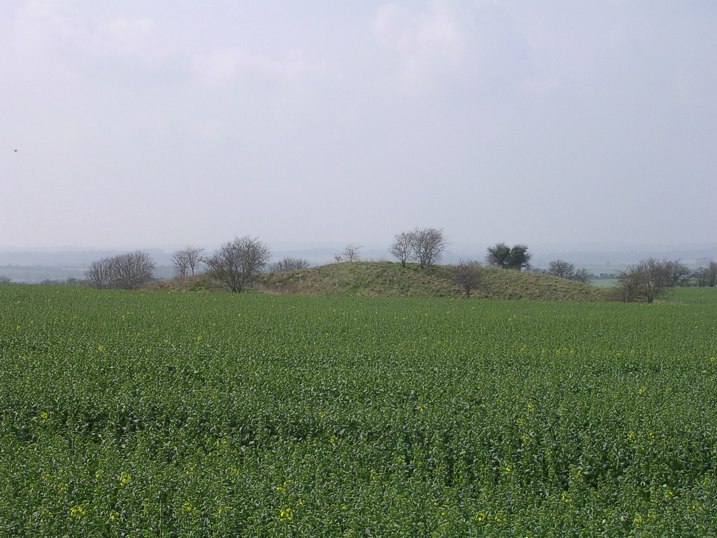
x: 187, y: 260
x: 287, y: 265
x: 352, y: 253
x: 239, y: 262
x: 130, y: 271
x: 645, y: 281
x: 467, y: 274
x: 338, y: 257
x: 581, y: 275
x: 706, y: 276
x: 428, y: 245
x: 402, y: 247
x: 126, y: 271
x: 563, y: 269
x: 99, y: 274
x: 677, y: 273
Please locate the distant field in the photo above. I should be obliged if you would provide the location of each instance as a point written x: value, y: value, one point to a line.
x: 200, y: 414
x: 699, y: 296
x: 604, y: 282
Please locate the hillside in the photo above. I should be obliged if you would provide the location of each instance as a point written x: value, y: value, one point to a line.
x: 390, y: 279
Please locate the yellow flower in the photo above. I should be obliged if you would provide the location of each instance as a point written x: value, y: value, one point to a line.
x: 480, y: 516
x: 637, y: 520
x: 286, y: 515
x: 77, y: 512
x: 186, y: 508
x: 565, y: 497
x: 642, y: 390
x: 531, y: 407
x: 43, y: 416
x: 631, y: 436
x: 101, y: 348
x: 113, y: 516
x: 508, y: 469
x: 124, y: 479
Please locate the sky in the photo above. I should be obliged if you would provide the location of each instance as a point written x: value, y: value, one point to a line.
x: 173, y: 122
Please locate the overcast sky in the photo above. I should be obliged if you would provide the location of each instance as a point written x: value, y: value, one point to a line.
x: 175, y: 122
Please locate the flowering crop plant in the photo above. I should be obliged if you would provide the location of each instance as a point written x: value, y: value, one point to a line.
x: 211, y: 414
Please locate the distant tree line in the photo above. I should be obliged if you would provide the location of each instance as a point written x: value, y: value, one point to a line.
x: 238, y: 263
x: 705, y: 276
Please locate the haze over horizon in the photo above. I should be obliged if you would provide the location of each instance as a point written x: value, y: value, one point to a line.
x: 141, y: 124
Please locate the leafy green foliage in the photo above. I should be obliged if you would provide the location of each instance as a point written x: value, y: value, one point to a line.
x: 199, y: 414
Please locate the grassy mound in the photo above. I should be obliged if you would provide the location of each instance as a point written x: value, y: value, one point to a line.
x: 365, y: 278
x: 390, y: 279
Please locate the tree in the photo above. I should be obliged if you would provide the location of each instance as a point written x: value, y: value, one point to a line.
x: 678, y: 274
x: 501, y: 255
x: 647, y: 280
x: 99, y: 274
x: 239, y: 262
x: 581, y: 275
x: 187, y: 260
x: 563, y: 269
x: 126, y: 271
x: 351, y: 253
x: 467, y: 274
x: 286, y: 265
x: 518, y: 258
x: 402, y: 247
x: 498, y: 255
x: 706, y: 276
x: 130, y: 271
x: 427, y: 245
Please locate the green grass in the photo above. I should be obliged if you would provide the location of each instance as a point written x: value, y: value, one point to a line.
x: 211, y: 414
x: 700, y: 296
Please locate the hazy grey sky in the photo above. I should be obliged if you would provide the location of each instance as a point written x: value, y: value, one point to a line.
x: 170, y: 122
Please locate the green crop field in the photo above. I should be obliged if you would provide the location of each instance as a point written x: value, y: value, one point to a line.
x: 211, y: 414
